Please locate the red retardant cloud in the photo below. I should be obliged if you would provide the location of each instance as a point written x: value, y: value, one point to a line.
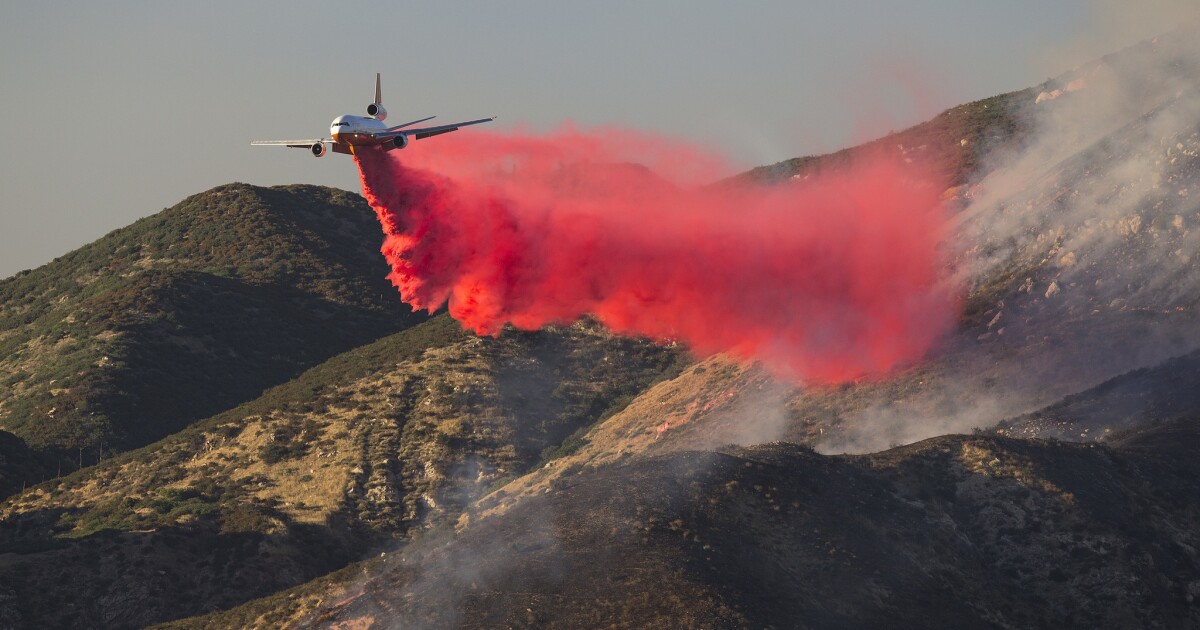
x: 836, y: 277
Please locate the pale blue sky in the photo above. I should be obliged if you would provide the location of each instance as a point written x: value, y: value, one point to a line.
x: 115, y: 110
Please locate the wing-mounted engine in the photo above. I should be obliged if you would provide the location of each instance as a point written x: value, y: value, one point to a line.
x: 376, y: 111
x: 318, y: 149
x: 398, y: 142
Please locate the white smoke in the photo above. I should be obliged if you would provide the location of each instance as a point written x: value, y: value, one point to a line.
x: 1085, y: 241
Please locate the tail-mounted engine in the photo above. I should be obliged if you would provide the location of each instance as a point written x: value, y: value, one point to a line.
x: 318, y: 149
x: 376, y: 111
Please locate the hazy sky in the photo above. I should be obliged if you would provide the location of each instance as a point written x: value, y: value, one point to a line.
x: 116, y: 110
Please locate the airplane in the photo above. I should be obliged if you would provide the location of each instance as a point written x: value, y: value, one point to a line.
x: 354, y: 133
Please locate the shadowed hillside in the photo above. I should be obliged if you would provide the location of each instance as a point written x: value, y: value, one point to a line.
x: 20, y: 466
x: 1167, y: 390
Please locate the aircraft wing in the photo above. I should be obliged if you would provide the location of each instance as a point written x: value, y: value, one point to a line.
x: 300, y: 144
x: 425, y: 132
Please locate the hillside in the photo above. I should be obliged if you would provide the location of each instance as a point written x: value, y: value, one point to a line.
x: 374, y: 446
x: 966, y: 532
x: 186, y: 313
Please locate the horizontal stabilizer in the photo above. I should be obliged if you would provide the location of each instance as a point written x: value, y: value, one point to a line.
x: 407, y: 124
x: 427, y: 132
x: 288, y: 143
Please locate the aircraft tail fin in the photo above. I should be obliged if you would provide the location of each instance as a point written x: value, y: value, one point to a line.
x: 378, y: 99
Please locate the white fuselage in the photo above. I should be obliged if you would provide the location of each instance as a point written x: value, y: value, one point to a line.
x: 357, y: 130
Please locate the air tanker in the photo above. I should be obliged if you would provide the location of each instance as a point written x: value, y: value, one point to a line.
x: 354, y: 133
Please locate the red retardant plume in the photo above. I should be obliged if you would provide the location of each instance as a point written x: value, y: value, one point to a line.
x: 833, y: 278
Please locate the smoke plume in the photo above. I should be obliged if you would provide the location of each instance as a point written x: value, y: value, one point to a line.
x: 1085, y: 242
x: 834, y: 278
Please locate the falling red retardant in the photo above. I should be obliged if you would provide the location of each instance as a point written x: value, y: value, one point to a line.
x: 833, y: 278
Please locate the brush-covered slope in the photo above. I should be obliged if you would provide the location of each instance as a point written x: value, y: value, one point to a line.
x: 953, y: 532
x: 956, y: 143
x: 186, y: 313
x: 373, y: 446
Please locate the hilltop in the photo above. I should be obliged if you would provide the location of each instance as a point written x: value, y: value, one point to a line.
x: 956, y: 144
x: 186, y: 313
